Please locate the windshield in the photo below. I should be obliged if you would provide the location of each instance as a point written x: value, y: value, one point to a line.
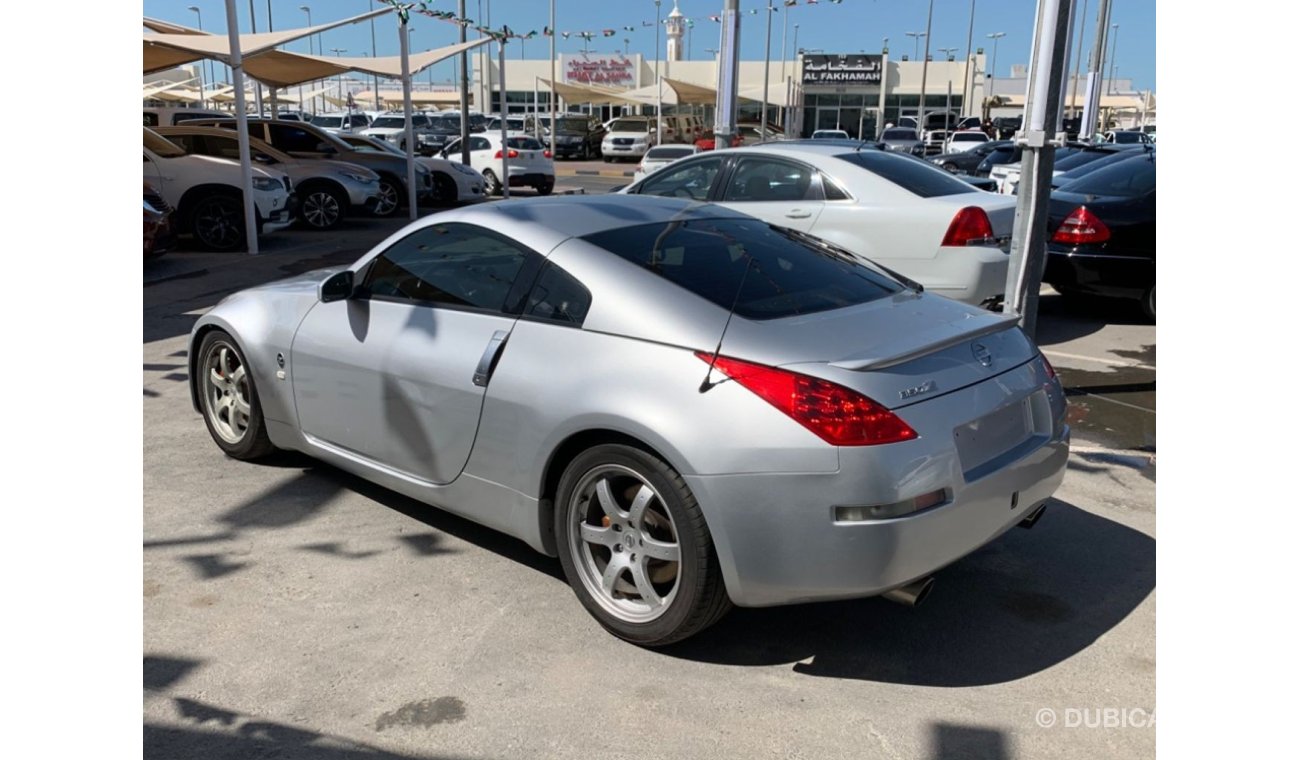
x: 1128, y: 138
x: 445, y: 123
x: 899, y: 134
x: 329, y: 122
x: 577, y: 125
x: 629, y: 125
x: 375, y: 146
x: 389, y: 122
x: 670, y: 152
x: 524, y: 143
x: 1134, y: 177
x: 160, y: 146
x: 765, y: 272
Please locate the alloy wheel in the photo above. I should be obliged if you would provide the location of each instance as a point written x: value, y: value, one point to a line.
x: 226, y: 392
x: 321, y: 209
x: 388, y: 198
x: 218, y: 224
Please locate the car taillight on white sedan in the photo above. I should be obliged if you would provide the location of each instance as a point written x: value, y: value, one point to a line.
x: 1080, y: 227
x: 513, y: 154
x: 970, y: 226
x: 837, y: 415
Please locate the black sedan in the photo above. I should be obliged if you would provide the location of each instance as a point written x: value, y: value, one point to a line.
x: 967, y: 161
x: 1075, y: 170
x: 1103, y: 233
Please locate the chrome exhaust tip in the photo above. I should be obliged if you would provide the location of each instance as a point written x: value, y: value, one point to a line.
x: 1033, y: 517
x: 912, y: 594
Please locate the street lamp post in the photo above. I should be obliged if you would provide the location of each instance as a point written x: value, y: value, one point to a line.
x: 1114, y: 44
x: 947, y: 52
x: 205, y: 74
x: 767, y: 63
x: 993, y: 68
x: 916, y: 42
x: 965, y: 69
x: 374, y: 53
x: 659, y: 84
x: 551, y: 101
x: 785, y: 25
x: 1078, y: 59
x: 925, y: 68
x: 338, y: 52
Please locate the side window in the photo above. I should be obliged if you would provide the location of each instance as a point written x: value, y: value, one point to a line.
x: 358, y: 120
x: 558, y: 297
x: 292, y: 139
x: 453, y: 147
x: 223, y: 148
x: 761, y: 179
x: 188, y: 143
x: 691, y: 180
x: 447, y: 265
x: 479, y: 143
x: 150, y: 119
x: 832, y: 190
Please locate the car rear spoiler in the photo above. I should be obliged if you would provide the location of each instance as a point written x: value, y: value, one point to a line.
x: 916, y: 346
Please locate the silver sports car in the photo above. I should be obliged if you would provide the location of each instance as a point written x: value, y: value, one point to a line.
x: 690, y: 407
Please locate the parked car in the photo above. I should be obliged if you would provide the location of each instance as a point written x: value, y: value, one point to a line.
x: 453, y: 182
x: 902, y: 139
x: 516, y: 126
x: 1086, y: 155
x: 550, y: 368
x: 709, y: 141
x: 899, y: 211
x: 964, y: 140
x: 1127, y: 137
x: 392, y: 127
x: 753, y: 133
x: 335, y: 123
x: 528, y: 162
x: 208, y: 196
x: 286, y: 116
x: 830, y: 134
x: 1103, y: 228
x: 662, y: 155
x: 327, y: 191
x: 166, y: 117
x: 1006, y: 153
x: 628, y: 137
x: 967, y: 161
x: 578, y: 136
x: 1060, y: 178
x: 159, y: 237
x: 302, y: 140
x: 970, y: 122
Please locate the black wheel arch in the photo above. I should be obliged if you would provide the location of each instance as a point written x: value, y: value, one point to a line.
x: 191, y: 198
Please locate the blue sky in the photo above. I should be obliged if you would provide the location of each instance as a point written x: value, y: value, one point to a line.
x: 850, y: 26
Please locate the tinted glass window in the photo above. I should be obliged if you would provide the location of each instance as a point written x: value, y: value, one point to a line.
x: 419, y: 121
x: 576, y: 125
x: 1079, y: 159
x: 448, y: 264
x: 358, y: 120
x: 558, y: 297
x: 761, y: 179
x: 292, y: 138
x: 160, y: 146
x: 1079, y: 171
x: 524, y: 143
x: 690, y: 180
x: 917, y: 177
x: 781, y: 276
x: 1128, y: 137
x: 327, y: 121
x: 673, y: 151
x: 150, y: 119
x: 898, y: 134
x: 1136, y: 176
x: 969, y: 138
x: 629, y: 125
x: 389, y: 122
x: 832, y: 190
x: 479, y: 143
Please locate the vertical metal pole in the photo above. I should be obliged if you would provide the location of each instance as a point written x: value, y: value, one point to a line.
x: 412, y: 206
x: 374, y: 51
x: 257, y: 86
x: 884, y: 82
x: 1044, y: 100
x: 505, y: 146
x: 966, y: 83
x: 1114, y: 48
x: 785, y: 25
x: 659, y: 98
x: 724, y: 119
x: 925, y: 66
x: 241, y: 124
x: 767, y: 63
x: 1096, y: 62
x: 464, y: 93
x: 553, y: 33
x: 1078, y: 59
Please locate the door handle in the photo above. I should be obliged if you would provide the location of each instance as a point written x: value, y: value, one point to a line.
x: 797, y: 213
x: 488, y: 361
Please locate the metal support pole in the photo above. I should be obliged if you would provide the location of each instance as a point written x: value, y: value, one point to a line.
x: 1096, y: 62
x: 241, y: 125
x: 966, y: 83
x: 925, y: 67
x: 1078, y: 59
x: 404, y: 41
x: 257, y: 86
x: 785, y: 25
x: 1039, y: 136
x: 464, y: 93
x: 724, y: 119
x: 659, y: 83
x: 374, y: 51
x: 505, y: 128
x: 553, y: 33
x: 767, y: 63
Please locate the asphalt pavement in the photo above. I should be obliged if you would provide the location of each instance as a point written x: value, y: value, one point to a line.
x: 292, y: 610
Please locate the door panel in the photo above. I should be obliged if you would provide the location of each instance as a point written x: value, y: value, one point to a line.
x: 779, y: 192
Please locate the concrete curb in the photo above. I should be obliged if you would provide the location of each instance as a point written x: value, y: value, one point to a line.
x: 594, y: 173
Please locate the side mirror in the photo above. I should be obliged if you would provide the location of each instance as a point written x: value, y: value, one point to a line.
x: 336, y: 287
x: 262, y: 158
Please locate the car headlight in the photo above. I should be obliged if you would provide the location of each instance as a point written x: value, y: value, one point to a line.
x: 266, y: 184
x: 364, y: 179
x: 463, y: 169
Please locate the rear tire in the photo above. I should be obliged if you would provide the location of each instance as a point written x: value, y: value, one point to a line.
x: 493, y: 184
x: 545, y: 188
x: 635, y: 548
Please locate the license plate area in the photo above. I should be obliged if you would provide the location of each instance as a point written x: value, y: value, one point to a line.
x: 989, y: 443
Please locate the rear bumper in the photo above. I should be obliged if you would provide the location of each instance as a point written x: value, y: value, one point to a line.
x: 776, y: 534
x: 531, y: 179
x: 1099, y: 274
x: 973, y: 274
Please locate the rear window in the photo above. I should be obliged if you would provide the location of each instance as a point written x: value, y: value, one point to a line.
x: 670, y: 152
x: 327, y: 121
x: 629, y: 125
x: 524, y: 143
x: 917, y: 177
x: 898, y: 134
x: 389, y: 122
x: 710, y: 257
x: 1079, y: 159
x: 1128, y: 179
x: 959, y: 137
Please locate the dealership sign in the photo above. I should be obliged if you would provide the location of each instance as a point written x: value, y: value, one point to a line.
x: 855, y: 68
x: 615, y: 70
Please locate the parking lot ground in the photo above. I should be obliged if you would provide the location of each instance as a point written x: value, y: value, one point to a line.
x: 295, y: 611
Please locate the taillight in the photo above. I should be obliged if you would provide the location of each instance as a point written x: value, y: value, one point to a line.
x: 1051, y: 371
x: 1081, y: 226
x: 971, y: 226
x: 837, y: 415
x: 546, y: 153
x: 512, y: 154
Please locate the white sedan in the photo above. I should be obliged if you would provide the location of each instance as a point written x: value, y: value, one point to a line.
x: 660, y: 156
x: 901, y: 212
x: 453, y: 182
x: 964, y: 140
x: 527, y: 161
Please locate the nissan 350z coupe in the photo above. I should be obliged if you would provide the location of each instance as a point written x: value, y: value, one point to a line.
x: 691, y: 408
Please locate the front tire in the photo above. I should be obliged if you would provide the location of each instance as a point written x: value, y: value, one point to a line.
x: 493, y: 184
x: 228, y: 398
x: 217, y: 222
x: 635, y: 547
x: 322, y: 208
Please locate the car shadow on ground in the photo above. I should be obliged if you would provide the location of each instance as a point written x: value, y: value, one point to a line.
x: 1026, y: 602
x: 1061, y: 319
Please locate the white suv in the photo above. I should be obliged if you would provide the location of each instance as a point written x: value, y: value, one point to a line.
x: 628, y: 137
x: 205, y: 192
